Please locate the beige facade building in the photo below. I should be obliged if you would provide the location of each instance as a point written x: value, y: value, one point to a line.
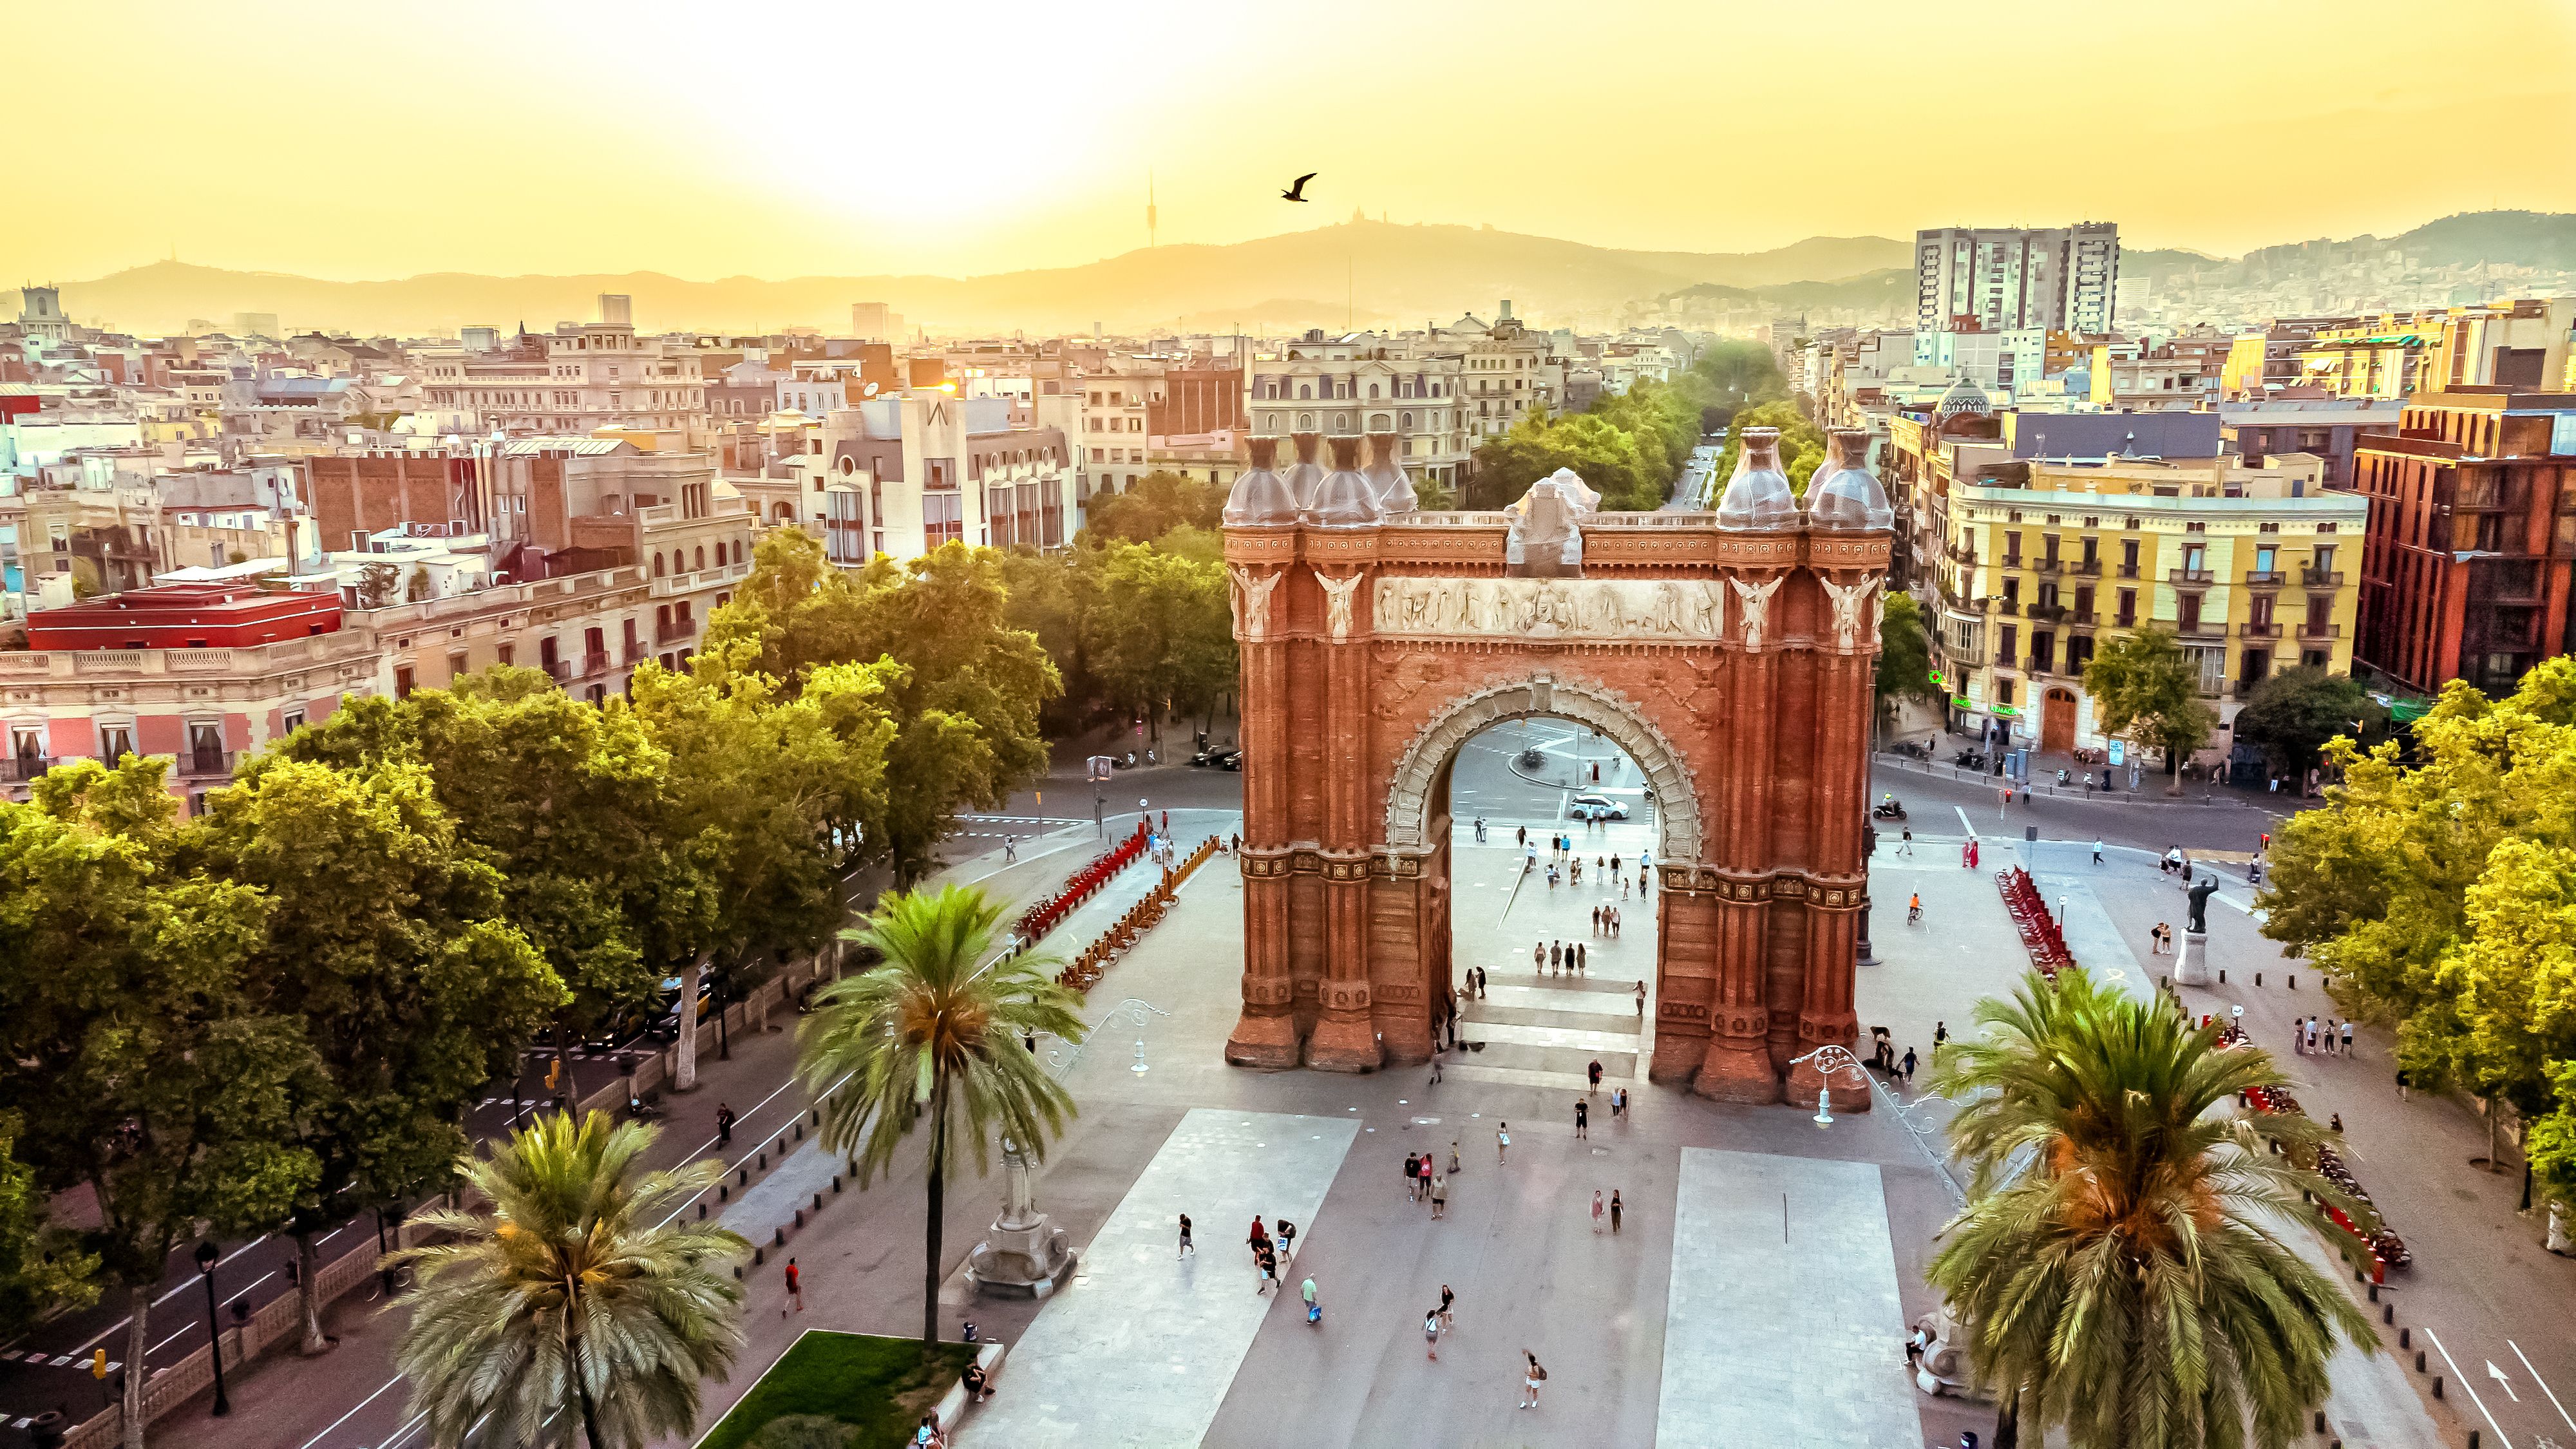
x: 573, y: 380
x: 1364, y: 384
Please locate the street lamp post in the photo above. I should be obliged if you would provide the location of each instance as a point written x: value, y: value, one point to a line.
x: 1134, y: 1009
x: 1829, y: 1059
x: 206, y: 1258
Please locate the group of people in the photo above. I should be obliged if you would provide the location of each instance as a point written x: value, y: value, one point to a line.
x: 1605, y: 921
x: 1559, y: 958
x: 1268, y: 1252
x: 2309, y: 1039
x: 1426, y: 1183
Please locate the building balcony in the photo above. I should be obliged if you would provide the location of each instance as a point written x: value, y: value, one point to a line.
x: 594, y: 663
x: 2090, y: 568
x: 21, y: 769
x: 2048, y: 613
x: 2008, y: 606
x: 2201, y: 629
x: 2074, y: 620
x: 637, y: 651
x: 2321, y: 578
x: 560, y: 671
x: 2265, y: 578
x: 2268, y: 629
x: 2190, y: 576
x: 2124, y: 621
x: 2243, y: 688
x: 2039, y: 664
x: 2128, y: 571
x: 2011, y: 561
x: 206, y: 764
x: 2314, y: 630
x: 675, y: 631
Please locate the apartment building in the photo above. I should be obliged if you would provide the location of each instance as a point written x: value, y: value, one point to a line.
x: 2521, y: 344
x: 1117, y: 414
x: 580, y: 377
x: 2471, y: 535
x: 1366, y: 384
x: 2326, y: 428
x: 2006, y: 279
x: 910, y: 472
x: 2044, y: 542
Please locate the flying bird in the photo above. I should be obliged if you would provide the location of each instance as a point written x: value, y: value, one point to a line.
x: 1298, y: 191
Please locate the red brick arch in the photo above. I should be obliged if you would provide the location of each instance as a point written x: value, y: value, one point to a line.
x: 1721, y: 661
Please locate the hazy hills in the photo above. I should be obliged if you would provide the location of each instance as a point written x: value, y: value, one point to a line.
x: 1362, y: 271
x: 1359, y: 272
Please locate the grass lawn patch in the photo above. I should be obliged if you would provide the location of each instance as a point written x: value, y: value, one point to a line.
x: 878, y: 1387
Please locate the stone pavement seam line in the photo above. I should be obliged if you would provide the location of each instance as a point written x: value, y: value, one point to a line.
x: 2468, y: 1388
x: 2544, y: 1383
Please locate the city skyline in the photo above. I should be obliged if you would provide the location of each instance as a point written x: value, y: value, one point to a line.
x: 733, y: 154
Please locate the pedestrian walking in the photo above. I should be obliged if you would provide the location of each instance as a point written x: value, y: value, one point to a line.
x: 1582, y: 1118
x: 1269, y: 1273
x: 1531, y: 1377
x: 1907, y: 1071
x: 1964, y: 862
x: 1523, y: 836
x: 1435, y: 1056
x: 1538, y: 959
x: 2097, y: 852
x: 1431, y: 1334
x: 1258, y: 1240
x: 1287, y: 1238
x: 1940, y: 1036
x: 1187, y: 1249
x: 1502, y: 1143
x: 1010, y: 849
x: 1600, y: 1211
x: 1618, y: 1102
x: 1480, y: 983
x: 1592, y: 1074
x: 1448, y: 1309
x: 1555, y: 957
x: 1480, y: 830
x: 1596, y: 920
x: 795, y: 1289
x: 1582, y: 957
x: 1614, y: 1212
x: 1453, y: 1157
x: 1308, y: 1293
x: 1439, y: 1195
x: 1412, y: 1164
x: 2347, y: 1038
x: 1641, y: 1001
x: 1905, y: 845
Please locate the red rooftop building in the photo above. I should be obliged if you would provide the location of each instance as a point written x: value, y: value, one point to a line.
x: 185, y: 616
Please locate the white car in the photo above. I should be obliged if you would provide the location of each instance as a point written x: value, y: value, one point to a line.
x: 1597, y: 807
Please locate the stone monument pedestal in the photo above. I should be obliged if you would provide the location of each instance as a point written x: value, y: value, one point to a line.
x: 2192, y: 967
x: 1022, y: 1255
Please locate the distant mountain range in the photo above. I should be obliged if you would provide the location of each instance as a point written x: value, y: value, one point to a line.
x: 1360, y: 273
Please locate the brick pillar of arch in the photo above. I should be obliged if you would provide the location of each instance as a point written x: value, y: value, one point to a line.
x: 1737, y: 1065
x: 1345, y: 1036
x: 1833, y: 902
x: 1266, y: 1034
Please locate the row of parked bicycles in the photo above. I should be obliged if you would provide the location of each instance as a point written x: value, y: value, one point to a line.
x: 2381, y: 1241
x: 1085, y: 970
x: 1085, y: 883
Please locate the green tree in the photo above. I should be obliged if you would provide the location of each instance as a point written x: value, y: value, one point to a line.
x: 967, y: 701
x: 129, y: 1037
x: 1741, y: 373
x: 933, y: 1035
x: 582, y: 1296
x: 1904, y: 652
x: 569, y: 802
x: 759, y: 784
x: 1159, y: 502
x: 2292, y: 714
x: 2438, y: 898
x: 2119, y: 1269
x: 1802, y: 443
x: 386, y: 936
x: 42, y: 1267
x: 2147, y: 690
x: 1158, y: 631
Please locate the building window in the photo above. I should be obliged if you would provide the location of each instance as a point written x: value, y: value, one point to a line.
x: 2128, y: 614
x: 402, y: 681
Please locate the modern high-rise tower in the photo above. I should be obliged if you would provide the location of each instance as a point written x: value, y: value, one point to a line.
x: 2060, y: 278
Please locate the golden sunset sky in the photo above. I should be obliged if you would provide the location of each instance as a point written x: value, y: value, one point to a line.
x: 778, y: 140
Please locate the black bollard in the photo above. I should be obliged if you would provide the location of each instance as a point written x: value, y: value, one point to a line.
x: 836, y: 1182
x: 2388, y: 1313
x: 2437, y: 1386
x: 800, y: 1222
x: 800, y: 1131
x: 2294, y: 981
x: 818, y: 1202
x: 702, y: 1209
x: 2258, y: 978
x: 2419, y: 1360
x: 742, y: 1178
x: 758, y: 1257
x: 2406, y: 1338
x: 778, y: 1239
x: 2374, y: 1292
x: 2321, y: 1421
x: 2222, y: 975
x: 737, y: 1272
x: 722, y: 1190
x: 763, y: 1162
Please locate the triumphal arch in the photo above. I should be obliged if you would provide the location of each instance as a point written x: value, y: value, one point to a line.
x: 1729, y: 651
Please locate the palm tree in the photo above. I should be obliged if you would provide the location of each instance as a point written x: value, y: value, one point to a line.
x: 2121, y: 1268
x: 580, y: 1297
x: 935, y: 1031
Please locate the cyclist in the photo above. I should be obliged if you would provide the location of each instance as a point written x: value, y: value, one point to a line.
x: 1914, y: 909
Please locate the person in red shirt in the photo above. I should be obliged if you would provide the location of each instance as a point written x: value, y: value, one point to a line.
x: 795, y: 1289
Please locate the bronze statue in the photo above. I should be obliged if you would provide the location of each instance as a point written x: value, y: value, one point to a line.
x: 2201, y: 891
